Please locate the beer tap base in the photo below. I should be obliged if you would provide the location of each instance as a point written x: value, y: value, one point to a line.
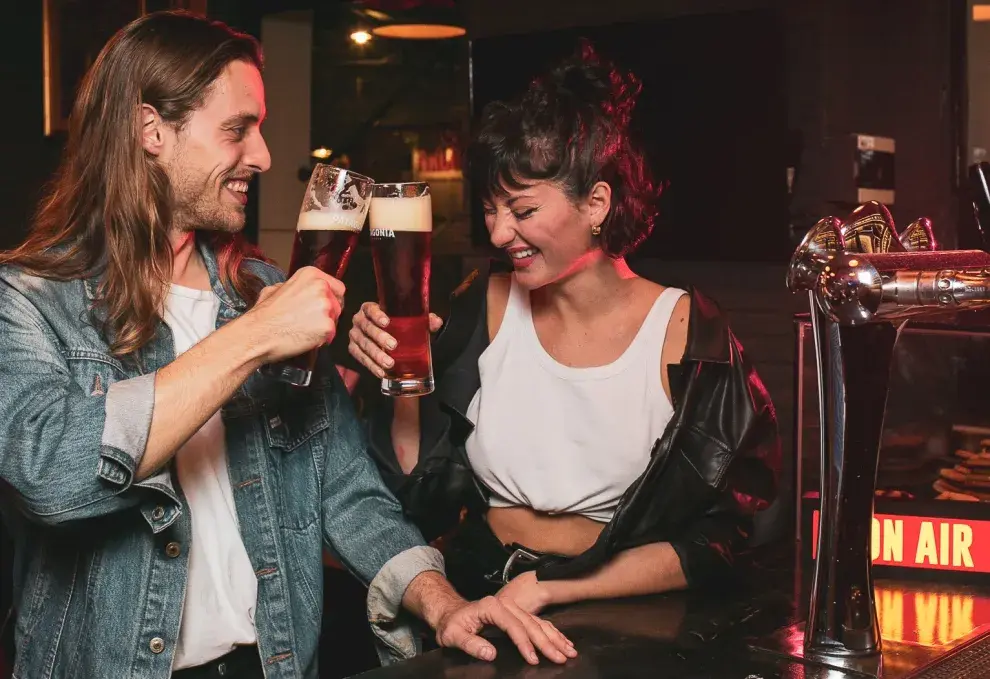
x: 788, y: 642
x: 896, y: 660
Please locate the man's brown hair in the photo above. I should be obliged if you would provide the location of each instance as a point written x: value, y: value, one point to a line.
x: 108, y: 210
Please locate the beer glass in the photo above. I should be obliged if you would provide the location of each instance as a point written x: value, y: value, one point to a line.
x: 330, y: 220
x: 401, y: 223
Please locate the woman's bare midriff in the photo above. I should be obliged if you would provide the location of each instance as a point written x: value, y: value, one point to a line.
x: 565, y: 534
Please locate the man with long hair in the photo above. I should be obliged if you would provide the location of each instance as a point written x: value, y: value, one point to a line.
x: 169, y: 504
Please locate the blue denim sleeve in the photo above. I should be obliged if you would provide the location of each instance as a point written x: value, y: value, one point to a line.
x: 66, y: 454
x: 365, y: 527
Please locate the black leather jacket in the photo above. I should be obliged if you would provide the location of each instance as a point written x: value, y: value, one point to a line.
x: 715, y: 466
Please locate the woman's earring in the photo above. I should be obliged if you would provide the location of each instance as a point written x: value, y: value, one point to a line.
x: 596, y: 230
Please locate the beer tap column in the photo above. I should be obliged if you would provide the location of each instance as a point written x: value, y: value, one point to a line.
x: 862, y: 300
x: 842, y: 618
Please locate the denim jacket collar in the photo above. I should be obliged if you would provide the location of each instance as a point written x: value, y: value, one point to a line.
x: 228, y: 298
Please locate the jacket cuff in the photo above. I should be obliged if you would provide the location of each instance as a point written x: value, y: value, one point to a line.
x: 704, y: 564
x: 395, y: 633
x: 128, y: 407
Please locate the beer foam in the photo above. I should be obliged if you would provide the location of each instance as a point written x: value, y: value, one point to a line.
x: 330, y: 220
x: 402, y: 214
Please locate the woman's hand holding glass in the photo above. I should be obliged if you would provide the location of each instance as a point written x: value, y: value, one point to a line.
x: 369, y: 342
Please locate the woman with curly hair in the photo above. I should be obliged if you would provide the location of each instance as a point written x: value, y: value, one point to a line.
x: 603, y: 432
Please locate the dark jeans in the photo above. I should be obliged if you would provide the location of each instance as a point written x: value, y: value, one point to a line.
x: 243, y: 662
x: 478, y: 564
x: 475, y: 558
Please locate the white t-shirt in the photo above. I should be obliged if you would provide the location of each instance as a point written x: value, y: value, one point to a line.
x: 222, y: 588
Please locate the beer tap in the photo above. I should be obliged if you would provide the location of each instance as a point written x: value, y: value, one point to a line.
x: 842, y: 621
x: 864, y: 282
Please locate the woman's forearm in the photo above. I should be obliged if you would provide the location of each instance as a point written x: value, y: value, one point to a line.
x: 647, y: 569
x: 405, y: 432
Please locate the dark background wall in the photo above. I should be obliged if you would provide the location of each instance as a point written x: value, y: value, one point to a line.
x: 29, y: 157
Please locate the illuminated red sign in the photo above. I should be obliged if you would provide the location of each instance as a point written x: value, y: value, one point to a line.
x: 931, y: 543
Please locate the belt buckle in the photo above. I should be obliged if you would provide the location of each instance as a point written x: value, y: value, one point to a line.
x: 521, y: 555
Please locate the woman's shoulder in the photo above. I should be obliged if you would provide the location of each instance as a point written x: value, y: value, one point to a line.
x: 674, y: 305
x: 705, y: 327
x: 649, y: 293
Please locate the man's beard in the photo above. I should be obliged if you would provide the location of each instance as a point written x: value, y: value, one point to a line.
x: 204, y: 210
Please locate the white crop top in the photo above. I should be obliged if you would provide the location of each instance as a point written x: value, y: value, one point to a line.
x: 566, y: 440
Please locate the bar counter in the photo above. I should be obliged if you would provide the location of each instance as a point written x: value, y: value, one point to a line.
x: 689, y: 635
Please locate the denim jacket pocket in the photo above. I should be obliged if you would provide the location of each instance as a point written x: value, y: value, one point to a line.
x: 296, y: 431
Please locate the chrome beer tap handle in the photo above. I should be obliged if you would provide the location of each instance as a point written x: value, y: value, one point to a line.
x: 856, y: 289
x: 870, y: 229
x: 918, y: 236
x: 823, y: 241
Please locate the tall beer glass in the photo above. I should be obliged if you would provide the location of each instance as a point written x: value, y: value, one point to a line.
x: 330, y: 220
x: 401, y: 228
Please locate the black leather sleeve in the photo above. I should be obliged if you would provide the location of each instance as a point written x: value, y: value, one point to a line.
x: 733, y: 412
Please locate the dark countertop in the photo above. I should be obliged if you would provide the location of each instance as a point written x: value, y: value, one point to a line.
x: 693, y: 636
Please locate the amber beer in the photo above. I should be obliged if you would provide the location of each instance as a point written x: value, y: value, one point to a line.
x: 325, y: 240
x: 401, y: 221
x: 331, y: 218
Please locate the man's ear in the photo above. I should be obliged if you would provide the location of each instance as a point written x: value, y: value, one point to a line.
x: 152, y: 130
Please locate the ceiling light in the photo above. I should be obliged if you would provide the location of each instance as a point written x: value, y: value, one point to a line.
x: 415, y: 19
x: 419, y: 31
x: 361, y: 37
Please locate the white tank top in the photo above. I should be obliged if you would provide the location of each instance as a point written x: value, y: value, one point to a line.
x: 221, y: 587
x: 566, y: 440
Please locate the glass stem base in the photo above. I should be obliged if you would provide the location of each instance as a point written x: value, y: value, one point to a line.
x: 409, y: 386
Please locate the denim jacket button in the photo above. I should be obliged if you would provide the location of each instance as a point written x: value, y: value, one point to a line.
x: 157, y: 645
x: 173, y: 549
x: 158, y: 513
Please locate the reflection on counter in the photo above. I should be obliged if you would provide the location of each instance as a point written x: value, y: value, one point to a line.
x: 918, y: 623
x: 929, y: 618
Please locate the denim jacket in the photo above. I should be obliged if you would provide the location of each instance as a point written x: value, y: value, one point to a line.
x: 101, y: 557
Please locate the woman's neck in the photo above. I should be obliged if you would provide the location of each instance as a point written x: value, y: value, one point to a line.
x: 586, y: 291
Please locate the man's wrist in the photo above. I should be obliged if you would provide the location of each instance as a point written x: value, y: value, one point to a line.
x: 431, y: 597
x: 253, y: 344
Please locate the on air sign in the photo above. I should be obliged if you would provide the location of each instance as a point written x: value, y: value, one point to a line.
x: 932, y: 543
